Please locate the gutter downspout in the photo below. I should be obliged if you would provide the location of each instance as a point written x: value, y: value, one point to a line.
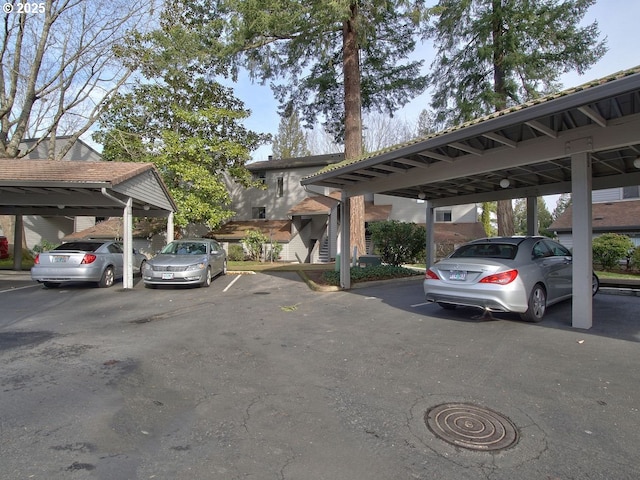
x: 127, y: 237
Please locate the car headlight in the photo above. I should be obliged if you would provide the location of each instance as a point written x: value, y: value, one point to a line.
x: 146, y: 267
x: 197, y: 266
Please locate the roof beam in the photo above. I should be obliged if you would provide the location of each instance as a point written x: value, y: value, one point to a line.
x: 536, y: 125
x: 389, y: 168
x: 436, y: 156
x: 593, y: 115
x: 501, y: 139
x: 371, y: 173
x: 466, y: 148
x: 413, y: 163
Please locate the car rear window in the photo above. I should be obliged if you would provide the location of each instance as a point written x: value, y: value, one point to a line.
x: 487, y: 250
x: 84, y: 246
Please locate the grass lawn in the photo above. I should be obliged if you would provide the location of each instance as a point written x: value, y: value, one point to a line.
x: 620, y: 275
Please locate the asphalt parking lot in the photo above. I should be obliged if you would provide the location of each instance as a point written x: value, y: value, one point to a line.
x: 260, y: 377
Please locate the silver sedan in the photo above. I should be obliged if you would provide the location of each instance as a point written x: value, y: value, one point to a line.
x: 504, y: 274
x: 186, y: 262
x: 99, y: 261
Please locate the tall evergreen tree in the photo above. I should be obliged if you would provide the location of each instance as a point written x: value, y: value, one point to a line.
x: 291, y: 140
x: 520, y: 217
x: 561, y: 205
x: 332, y: 59
x: 495, y: 53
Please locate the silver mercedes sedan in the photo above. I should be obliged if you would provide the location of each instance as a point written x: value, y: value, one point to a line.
x: 186, y: 262
x: 504, y: 274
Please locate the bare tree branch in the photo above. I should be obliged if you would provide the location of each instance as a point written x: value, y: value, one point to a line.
x: 58, y: 69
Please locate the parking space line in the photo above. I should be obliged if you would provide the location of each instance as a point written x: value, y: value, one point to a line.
x: 231, y: 284
x: 18, y: 288
x: 419, y: 304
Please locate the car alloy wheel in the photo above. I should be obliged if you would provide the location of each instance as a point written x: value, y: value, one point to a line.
x: 207, y: 278
x: 537, y: 305
x: 107, y: 279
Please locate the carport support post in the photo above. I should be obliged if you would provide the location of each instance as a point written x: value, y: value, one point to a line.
x: 430, y: 237
x: 18, y: 229
x: 532, y: 216
x: 170, y: 228
x: 582, y: 306
x: 345, y: 245
x: 127, y: 230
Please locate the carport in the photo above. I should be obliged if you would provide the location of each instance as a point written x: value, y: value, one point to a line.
x: 581, y: 139
x: 100, y: 189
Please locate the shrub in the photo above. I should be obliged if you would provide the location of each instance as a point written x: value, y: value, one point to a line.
x: 398, y: 242
x: 610, y: 248
x: 254, y: 241
x: 635, y: 258
x: 376, y: 272
x: 44, y: 246
x: 236, y: 253
x: 274, y: 252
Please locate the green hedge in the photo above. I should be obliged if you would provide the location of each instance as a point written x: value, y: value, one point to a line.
x: 376, y: 272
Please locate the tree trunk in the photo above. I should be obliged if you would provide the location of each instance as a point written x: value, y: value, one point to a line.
x: 353, y: 121
x: 505, y: 218
x: 504, y: 212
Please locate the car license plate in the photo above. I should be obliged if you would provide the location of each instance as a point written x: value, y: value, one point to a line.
x: 457, y: 275
x: 167, y: 276
x: 59, y: 258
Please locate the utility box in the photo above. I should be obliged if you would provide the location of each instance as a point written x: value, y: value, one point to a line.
x: 369, y: 261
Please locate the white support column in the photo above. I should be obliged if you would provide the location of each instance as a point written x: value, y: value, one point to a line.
x: 430, y: 240
x: 127, y: 242
x: 345, y: 244
x: 170, y: 228
x: 532, y: 216
x: 582, y: 303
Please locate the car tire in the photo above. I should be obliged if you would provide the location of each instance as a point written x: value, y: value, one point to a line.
x: 537, y: 305
x: 142, y: 264
x: 108, y: 278
x: 207, y: 278
x: 595, y: 284
x: 447, y: 306
x: 51, y: 284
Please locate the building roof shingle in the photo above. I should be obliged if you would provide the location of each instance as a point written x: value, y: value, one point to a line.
x: 72, y: 172
x: 622, y: 215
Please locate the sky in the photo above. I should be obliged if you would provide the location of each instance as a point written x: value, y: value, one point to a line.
x: 617, y: 21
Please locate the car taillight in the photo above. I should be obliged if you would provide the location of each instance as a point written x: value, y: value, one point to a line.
x: 88, y: 258
x: 502, y: 278
x: 431, y: 275
x: 37, y: 259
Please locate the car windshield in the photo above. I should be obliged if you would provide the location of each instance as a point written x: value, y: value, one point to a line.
x: 486, y: 250
x: 185, y: 248
x: 84, y: 246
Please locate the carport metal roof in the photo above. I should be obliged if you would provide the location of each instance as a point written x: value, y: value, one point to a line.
x: 530, y: 145
x: 43, y: 187
x: 577, y: 140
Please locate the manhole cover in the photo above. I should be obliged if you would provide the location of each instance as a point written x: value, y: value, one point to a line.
x: 472, y: 427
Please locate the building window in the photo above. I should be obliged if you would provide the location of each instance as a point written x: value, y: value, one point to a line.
x: 443, y: 215
x: 280, y: 187
x: 631, y: 192
x: 260, y: 177
x: 258, y: 212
